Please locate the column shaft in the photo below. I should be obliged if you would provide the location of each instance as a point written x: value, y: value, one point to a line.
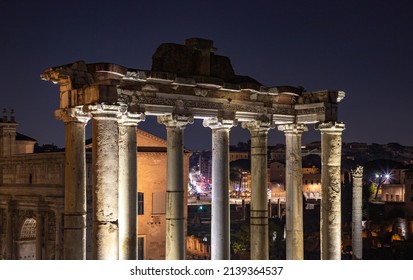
x: 75, y: 184
x: 357, y: 208
x: 220, y: 223
x: 331, y: 190
x: 127, y: 189
x: 175, y: 189
x: 105, y: 183
x: 259, y: 236
x: 175, y: 220
x: 294, y: 193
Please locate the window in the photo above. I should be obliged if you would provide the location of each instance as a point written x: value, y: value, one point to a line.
x: 28, y: 231
x: 141, y: 248
x: 140, y: 203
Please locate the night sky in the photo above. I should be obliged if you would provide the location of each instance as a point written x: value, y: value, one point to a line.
x: 364, y: 48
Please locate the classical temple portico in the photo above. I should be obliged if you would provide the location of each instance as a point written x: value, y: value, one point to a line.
x: 200, y: 85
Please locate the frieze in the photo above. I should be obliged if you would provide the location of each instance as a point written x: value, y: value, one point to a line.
x: 310, y: 111
x: 283, y: 111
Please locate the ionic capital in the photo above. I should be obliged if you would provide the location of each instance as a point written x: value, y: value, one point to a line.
x: 175, y: 120
x: 131, y: 119
x: 293, y: 128
x: 105, y: 111
x: 358, y: 172
x: 259, y: 127
x: 219, y: 123
x: 331, y: 127
x: 72, y: 115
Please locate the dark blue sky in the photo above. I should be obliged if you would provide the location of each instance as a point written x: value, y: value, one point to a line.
x: 364, y: 48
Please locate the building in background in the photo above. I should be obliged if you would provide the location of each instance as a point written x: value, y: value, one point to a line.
x: 32, y: 196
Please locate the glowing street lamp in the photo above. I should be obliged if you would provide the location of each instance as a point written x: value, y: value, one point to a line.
x: 380, y: 180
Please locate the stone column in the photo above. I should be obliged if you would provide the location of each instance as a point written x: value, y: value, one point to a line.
x: 357, y: 231
x: 128, y: 185
x: 175, y: 188
x: 39, y: 235
x: 294, y: 191
x: 330, y: 224
x: 220, y: 224
x: 74, y: 223
x: 259, y: 184
x: 105, y: 159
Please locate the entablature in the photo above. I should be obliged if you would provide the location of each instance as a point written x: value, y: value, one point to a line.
x: 202, y: 96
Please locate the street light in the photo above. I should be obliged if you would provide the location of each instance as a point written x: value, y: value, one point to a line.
x: 380, y: 180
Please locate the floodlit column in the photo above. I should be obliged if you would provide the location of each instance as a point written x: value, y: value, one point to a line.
x: 74, y: 225
x: 357, y: 231
x: 330, y: 224
x: 259, y: 203
x: 220, y: 224
x: 175, y: 189
x: 127, y: 184
x: 294, y: 191
x: 105, y: 157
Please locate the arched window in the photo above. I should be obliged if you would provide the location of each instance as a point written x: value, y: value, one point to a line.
x: 28, y: 231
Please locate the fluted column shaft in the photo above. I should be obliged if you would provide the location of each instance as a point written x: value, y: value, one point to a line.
x: 175, y: 189
x: 220, y: 223
x: 74, y: 225
x: 331, y: 134
x: 128, y: 185
x: 294, y: 192
x: 357, y: 209
x: 259, y: 204
x: 105, y: 159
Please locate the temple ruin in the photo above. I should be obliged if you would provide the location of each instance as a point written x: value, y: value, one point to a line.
x: 188, y: 82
